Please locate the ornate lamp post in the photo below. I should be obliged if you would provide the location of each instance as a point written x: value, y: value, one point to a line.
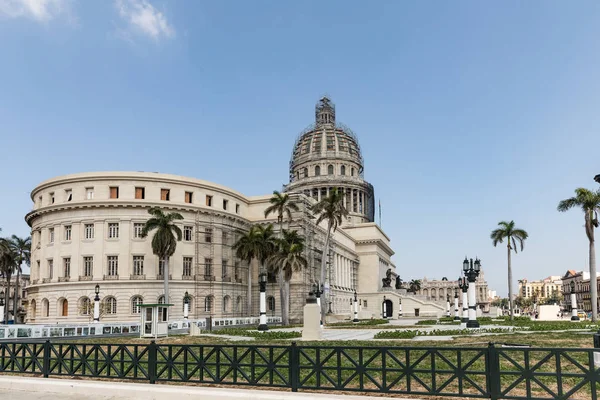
x: 400, y: 307
x: 447, y: 305
x: 2, y: 306
x: 262, y: 281
x: 471, y: 270
x: 97, y: 304
x: 318, y: 293
x: 463, y: 284
x: 355, y: 307
x: 456, y: 315
x: 574, y: 316
x: 186, y: 305
x: 384, y: 308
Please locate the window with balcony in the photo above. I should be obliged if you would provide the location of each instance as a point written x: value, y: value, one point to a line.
x: 138, y: 265
x: 88, y: 231
x: 67, y: 267
x: 188, y: 233
x: 208, y: 268
x: 67, y: 232
x: 113, y: 266
x: 187, y: 266
x: 88, y: 266
x: 137, y: 230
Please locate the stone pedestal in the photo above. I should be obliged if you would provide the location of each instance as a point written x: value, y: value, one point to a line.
x: 312, y: 317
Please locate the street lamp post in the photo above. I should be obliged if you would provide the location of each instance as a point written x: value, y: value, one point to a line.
x: 318, y: 293
x: 262, y: 281
x: 471, y: 270
x: 447, y: 305
x: 574, y: 316
x: 456, y: 315
x: 463, y: 284
x: 97, y: 304
x: 355, y: 307
x: 186, y: 305
x: 384, y: 308
x: 400, y: 307
x: 2, y: 307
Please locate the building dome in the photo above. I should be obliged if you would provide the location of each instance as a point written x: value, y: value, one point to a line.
x: 327, y: 155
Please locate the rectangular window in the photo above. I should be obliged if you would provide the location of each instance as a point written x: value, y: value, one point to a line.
x: 89, y: 231
x: 187, y: 266
x: 208, y: 267
x: 188, y: 197
x: 67, y: 267
x: 113, y: 265
x: 237, y: 208
x: 88, y: 266
x: 224, y: 237
x: 364, y: 303
x: 224, y: 269
x: 67, y: 232
x: 52, y: 198
x: 138, y: 265
x: 208, y: 235
x: 165, y: 194
x: 51, y: 235
x: 114, y: 192
x: 137, y: 230
x: 50, y: 269
x: 236, y: 272
x: 113, y: 230
x: 38, y: 268
x: 161, y: 267
x: 69, y: 194
x: 140, y: 193
x: 89, y: 193
x: 208, y: 201
x: 187, y: 233
x: 225, y: 204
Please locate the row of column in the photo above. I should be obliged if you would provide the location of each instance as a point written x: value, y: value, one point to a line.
x: 344, y: 272
x: 355, y: 200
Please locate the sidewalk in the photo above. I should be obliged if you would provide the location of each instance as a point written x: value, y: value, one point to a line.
x: 23, y: 388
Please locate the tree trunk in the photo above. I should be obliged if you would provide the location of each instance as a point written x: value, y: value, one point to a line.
x: 166, y: 280
x: 323, y: 272
x: 593, y: 287
x: 6, y: 298
x: 281, y: 282
x: 285, y: 308
x: 15, y: 305
x: 249, y: 294
x: 510, y: 296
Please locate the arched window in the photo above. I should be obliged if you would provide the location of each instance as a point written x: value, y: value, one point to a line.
x: 239, y: 304
x: 161, y: 299
x: 226, y: 304
x: 317, y: 170
x: 85, y: 306
x: 343, y: 170
x: 45, y: 308
x: 135, y: 304
x: 306, y: 172
x: 271, y: 303
x: 208, y: 304
x: 111, y: 305
x: 352, y: 171
x: 433, y: 293
x: 32, y: 309
x: 63, y: 307
x: 330, y: 169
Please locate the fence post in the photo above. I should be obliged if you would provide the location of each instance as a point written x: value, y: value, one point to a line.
x: 294, y: 361
x: 492, y: 372
x: 152, y: 362
x: 46, y: 359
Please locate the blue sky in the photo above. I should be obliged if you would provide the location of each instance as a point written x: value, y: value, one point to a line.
x: 468, y: 113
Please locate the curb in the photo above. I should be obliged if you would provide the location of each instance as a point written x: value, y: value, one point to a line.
x: 146, y: 391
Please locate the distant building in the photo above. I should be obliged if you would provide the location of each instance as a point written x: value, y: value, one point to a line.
x: 541, y: 289
x: 22, y: 300
x: 582, y: 289
x: 438, y: 289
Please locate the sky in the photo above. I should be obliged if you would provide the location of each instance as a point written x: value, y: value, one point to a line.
x: 468, y: 113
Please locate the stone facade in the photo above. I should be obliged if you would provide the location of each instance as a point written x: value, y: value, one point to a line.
x: 21, y: 300
x: 437, y: 289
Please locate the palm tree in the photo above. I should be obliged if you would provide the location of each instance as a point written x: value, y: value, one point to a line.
x: 165, y: 239
x: 508, y: 231
x: 22, y: 248
x: 589, y: 202
x: 8, y: 265
x: 414, y: 286
x: 285, y: 261
x: 332, y: 210
x: 258, y: 244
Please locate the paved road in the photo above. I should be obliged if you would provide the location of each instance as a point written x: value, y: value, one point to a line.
x: 19, y: 395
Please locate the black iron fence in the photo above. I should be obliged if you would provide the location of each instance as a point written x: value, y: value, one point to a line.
x: 490, y: 372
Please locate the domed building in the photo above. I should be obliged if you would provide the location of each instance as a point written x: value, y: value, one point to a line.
x: 85, y: 231
x: 327, y: 155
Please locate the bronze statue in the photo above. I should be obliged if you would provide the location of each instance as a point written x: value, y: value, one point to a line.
x: 398, y: 283
x: 387, y: 281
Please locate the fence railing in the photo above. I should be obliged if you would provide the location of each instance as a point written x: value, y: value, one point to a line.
x: 489, y: 372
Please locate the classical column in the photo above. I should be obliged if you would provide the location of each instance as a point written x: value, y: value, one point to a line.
x: 318, y: 292
x: 400, y: 307
x: 447, y: 305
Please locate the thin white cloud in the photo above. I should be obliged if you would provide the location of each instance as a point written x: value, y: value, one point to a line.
x: 39, y: 10
x: 144, y: 18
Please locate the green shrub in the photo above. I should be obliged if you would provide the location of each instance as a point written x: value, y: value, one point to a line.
x: 252, y: 332
x: 364, y: 322
x: 427, y: 322
x: 405, y: 334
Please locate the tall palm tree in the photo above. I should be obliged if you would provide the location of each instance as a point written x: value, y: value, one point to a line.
x: 165, y: 238
x: 508, y: 231
x: 589, y: 202
x: 287, y: 259
x: 22, y: 248
x: 257, y: 244
x: 414, y: 286
x: 332, y: 210
x: 8, y: 265
x: 281, y: 205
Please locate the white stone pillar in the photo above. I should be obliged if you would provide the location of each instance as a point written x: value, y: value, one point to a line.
x: 465, y: 307
x: 355, y: 308
x: 472, y: 307
x: 574, y: 316
x: 96, y: 309
x: 2, y: 313
x: 186, y: 311
x: 384, y: 314
x: 447, y: 307
x: 263, y: 303
x: 400, y: 308
x: 456, y: 314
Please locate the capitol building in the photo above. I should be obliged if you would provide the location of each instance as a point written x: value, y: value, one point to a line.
x: 86, y: 230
